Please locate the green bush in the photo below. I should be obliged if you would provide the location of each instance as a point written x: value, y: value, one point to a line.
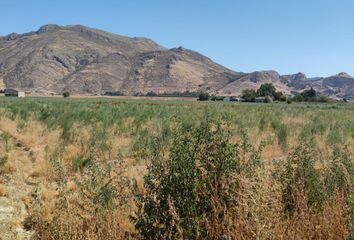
x: 216, y: 98
x: 5, y: 136
x: 249, y: 95
x: 267, y: 89
x: 194, y: 187
x: 299, y: 173
x: 66, y: 94
x: 339, y: 175
x: 203, y: 96
x: 298, y: 98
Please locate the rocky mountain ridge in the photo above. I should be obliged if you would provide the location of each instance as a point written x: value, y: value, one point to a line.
x: 84, y: 60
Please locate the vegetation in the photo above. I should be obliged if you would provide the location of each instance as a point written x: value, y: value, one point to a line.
x: 266, y: 90
x: 249, y: 95
x: 169, y: 94
x: 114, y: 93
x: 203, y: 96
x: 145, y: 169
x: 66, y: 94
x: 194, y: 190
x: 310, y: 95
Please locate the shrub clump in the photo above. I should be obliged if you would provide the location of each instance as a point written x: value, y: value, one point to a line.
x: 66, y: 94
x: 192, y: 194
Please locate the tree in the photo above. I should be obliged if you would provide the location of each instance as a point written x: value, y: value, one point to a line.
x: 151, y: 94
x: 298, y: 98
x: 279, y: 96
x: 266, y: 89
x: 309, y: 94
x: 66, y: 94
x: 203, y: 96
x: 249, y: 95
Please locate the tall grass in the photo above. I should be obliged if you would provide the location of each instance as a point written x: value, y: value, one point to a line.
x: 201, y: 170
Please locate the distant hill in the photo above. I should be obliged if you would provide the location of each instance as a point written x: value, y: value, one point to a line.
x: 83, y: 60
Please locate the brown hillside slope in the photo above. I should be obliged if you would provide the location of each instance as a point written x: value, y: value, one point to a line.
x: 83, y: 60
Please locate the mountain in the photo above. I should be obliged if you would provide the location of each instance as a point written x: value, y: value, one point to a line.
x: 55, y: 57
x: 89, y: 61
x: 340, y: 85
x: 84, y: 60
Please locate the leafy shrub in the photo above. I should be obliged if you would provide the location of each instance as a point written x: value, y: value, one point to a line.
x: 279, y: 96
x: 281, y: 132
x: 3, y: 162
x: 151, y: 94
x: 249, y: 95
x: 203, y: 96
x: 309, y: 94
x: 299, y: 173
x: 339, y: 174
x: 114, y: 93
x: 66, y: 94
x: 5, y: 136
x: 263, y: 124
x: 190, y: 196
x: 298, y: 98
x: 267, y: 89
x: 80, y: 162
x: 216, y: 98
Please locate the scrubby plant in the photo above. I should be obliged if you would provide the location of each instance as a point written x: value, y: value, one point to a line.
x: 339, y: 174
x: 3, y: 162
x: 266, y: 89
x: 190, y: 195
x: 297, y: 172
x: 186, y: 160
x: 5, y: 137
x: 203, y: 96
x: 86, y: 209
x: 281, y: 133
x: 249, y: 95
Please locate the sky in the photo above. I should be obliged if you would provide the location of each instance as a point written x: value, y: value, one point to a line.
x: 315, y: 37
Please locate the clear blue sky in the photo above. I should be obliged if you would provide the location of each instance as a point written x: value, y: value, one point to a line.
x: 312, y: 36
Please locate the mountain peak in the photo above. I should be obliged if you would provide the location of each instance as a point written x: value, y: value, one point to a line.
x: 344, y: 75
x: 299, y: 76
x: 48, y: 28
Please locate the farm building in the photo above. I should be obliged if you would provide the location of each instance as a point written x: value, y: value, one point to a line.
x: 226, y: 99
x: 11, y: 92
x: 233, y: 99
x: 264, y: 99
x: 237, y: 99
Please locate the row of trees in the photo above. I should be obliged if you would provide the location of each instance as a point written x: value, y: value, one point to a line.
x: 310, y: 96
x: 269, y: 91
x: 266, y: 90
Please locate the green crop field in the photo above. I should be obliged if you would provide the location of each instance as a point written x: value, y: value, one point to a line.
x: 179, y: 169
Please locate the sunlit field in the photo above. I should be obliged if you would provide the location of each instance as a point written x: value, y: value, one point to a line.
x: 106, y: 168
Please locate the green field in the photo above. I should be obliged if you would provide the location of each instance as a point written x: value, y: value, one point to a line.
x: 180, y: 169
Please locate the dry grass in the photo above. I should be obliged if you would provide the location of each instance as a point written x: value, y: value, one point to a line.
x: 259, y: 209
x: 3, y: 191
x: 307, y: 224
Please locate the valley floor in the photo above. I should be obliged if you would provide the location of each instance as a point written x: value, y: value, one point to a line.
x: 58, y: 155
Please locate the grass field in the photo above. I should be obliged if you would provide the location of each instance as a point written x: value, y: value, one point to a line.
x: 106, y: 168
